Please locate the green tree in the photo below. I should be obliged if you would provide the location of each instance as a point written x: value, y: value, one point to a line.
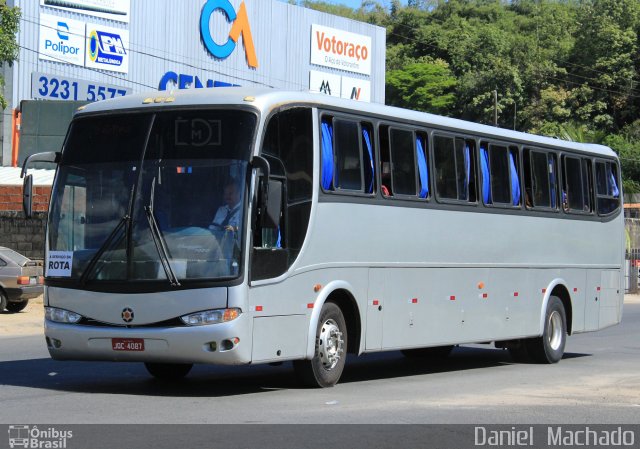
x: 426, y: 86
x: 9, y: 25
x: 605, y: 60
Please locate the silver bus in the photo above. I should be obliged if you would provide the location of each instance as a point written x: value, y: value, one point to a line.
x: 241, y: 226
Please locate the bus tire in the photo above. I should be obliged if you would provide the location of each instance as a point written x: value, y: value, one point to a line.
x: 326, y: 367
x: 550, y: 347
x: 168, y: 371
x: 436, y: 352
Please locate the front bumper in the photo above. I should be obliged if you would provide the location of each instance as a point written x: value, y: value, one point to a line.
x: 185, y: 344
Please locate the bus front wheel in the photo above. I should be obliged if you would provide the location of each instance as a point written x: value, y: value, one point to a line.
x: 168, y: 371
x: 325, y: 369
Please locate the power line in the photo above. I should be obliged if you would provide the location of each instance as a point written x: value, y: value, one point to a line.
x: 561, y: 61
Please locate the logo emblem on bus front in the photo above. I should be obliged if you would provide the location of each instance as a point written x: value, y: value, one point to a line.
x: 127, y: 315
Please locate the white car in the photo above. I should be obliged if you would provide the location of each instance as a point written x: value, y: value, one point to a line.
x: 20, y: 280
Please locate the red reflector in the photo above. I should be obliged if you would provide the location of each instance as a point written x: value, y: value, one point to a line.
x: 575, y: 289
x: 414, y: 301
x: 310, y: 305
x: 544, y: 290
x: 485, y: 295
x: 597, y: 289
x: 515, y: 294
x: 258, y: 308
x: 452, y: 298
x: 376, y: 302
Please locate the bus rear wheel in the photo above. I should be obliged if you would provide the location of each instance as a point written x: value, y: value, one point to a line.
x: 549, y: 348
x: 326, y: 367
x: 168, y: 371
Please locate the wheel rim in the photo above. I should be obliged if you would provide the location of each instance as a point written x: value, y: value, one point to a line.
x: 556, y: 329
x: 330, y: 344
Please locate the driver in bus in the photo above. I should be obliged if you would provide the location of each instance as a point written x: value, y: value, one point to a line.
x: 228, y: 215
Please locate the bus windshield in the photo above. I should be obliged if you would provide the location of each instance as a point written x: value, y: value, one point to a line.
x: 151, y: 197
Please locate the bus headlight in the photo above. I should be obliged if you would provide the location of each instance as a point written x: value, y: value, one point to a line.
x: 210, y: 317
x: 61, y: 315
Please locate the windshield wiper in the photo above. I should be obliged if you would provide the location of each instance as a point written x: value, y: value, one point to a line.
x: 105, y: 246
x: 159, y: 241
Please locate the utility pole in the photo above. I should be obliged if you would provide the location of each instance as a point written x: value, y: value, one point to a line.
x: 495, y: 108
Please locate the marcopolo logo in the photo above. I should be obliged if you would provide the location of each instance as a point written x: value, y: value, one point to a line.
x: 106, y: 48
x: 32, y: 437
x: 240, y: 26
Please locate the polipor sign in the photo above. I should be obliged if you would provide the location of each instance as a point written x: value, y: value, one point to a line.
x: 340, y: 49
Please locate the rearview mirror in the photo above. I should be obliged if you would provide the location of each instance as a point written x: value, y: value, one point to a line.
x: 27, y: 196
x: 27, y: 185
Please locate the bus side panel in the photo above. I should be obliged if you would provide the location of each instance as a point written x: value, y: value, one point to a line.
x: 592, y: 305
x: 286, y: 305
x: 439, y: 306
x: 610, y: 298
x: 375, y: 309
x: 279, y: 338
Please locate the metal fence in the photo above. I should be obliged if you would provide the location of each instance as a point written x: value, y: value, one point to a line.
x: 632, y: 253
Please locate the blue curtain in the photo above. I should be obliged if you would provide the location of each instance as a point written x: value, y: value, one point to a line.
x: 613, y: 184
x: 486, y: 175
x: 515, y: 181
x: 422, y: 169
x: 327, y: 155
x: 367, y: 141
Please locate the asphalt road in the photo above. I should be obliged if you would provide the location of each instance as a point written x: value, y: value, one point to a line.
x: 597, y: 382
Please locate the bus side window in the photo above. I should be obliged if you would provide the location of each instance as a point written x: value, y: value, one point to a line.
x: 500, y: 176
x: 347, y: 156
x: 467, y: 177
x: 454, y: 168
x: 445, y: 167
x: 385, y: 161
x: 607, y: 190
x: 348, y: 174
x: 403, y: 162
x: 540, y: 179
x: 575, y: 197
x: 422, y: 157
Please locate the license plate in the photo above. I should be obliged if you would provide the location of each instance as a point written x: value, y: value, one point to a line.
x: 127, y: 344
x: 33, y: 281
